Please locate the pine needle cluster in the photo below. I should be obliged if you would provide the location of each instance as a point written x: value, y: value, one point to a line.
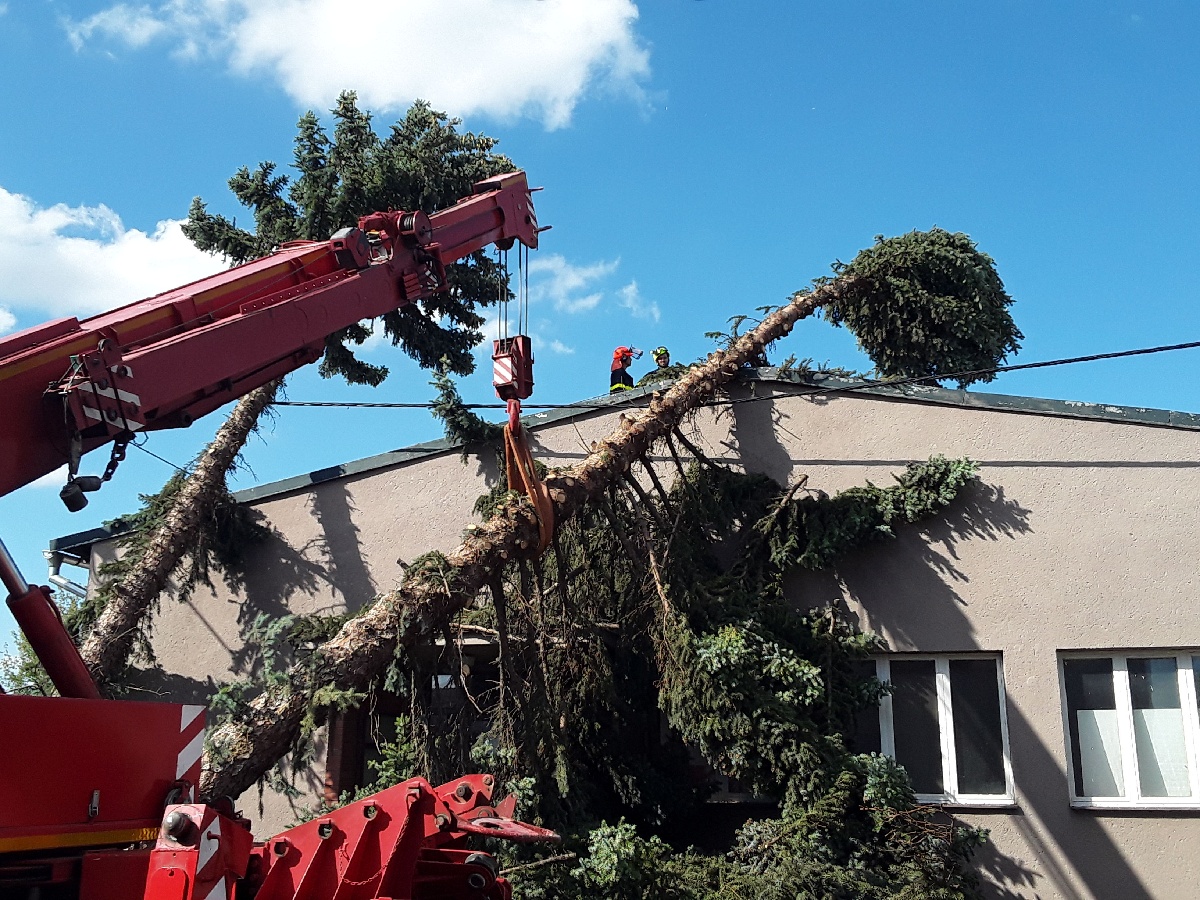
x: 424, y: 163
x: 927, y: 303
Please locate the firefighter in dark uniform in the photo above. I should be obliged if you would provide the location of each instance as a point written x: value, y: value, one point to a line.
x: 621, y: 380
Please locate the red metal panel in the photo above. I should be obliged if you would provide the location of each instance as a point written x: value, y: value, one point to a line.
x: 90, y: 772
x: 512, y: 367
x: 114, y: 875
x: 200, y: 849
x: 406, y: 842
x: 169, y: 884
x: 35, y: 437
x: 40, y: 622
x: 38, y: 334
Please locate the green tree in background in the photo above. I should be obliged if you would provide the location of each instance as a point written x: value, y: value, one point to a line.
x: 424, y: 163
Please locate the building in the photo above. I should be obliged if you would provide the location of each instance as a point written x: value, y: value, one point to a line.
x: 1044, y: 634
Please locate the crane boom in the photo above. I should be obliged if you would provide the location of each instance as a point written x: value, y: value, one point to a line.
x: 80, y: 824
x: 69, y: 386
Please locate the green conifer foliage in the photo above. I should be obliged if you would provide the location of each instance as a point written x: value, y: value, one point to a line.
x: 424, y: 163
x: 926, y: 303
x: 687, y: 615
x: 669, y: 601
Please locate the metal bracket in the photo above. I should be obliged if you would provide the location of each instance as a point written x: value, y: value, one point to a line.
x: 99, y: 392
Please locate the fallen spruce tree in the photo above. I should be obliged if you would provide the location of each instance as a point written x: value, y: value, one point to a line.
x: 733, y: 670
x: 924, y: 304
x: 194, y: 521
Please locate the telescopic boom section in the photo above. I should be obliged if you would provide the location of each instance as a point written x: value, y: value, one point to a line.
x: 69, y: 386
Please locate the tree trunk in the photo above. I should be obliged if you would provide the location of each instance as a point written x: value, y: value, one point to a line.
x: 242, y: 751
x: 106, y: 649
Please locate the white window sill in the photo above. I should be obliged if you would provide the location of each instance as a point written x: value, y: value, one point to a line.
x: 968, y: 802
x: 1118, y: 804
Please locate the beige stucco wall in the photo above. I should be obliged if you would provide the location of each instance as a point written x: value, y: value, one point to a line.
x: 1080, y: 534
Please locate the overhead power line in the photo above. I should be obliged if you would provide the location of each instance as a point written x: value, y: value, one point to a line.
x: 863, y: 384
x: 952, y: 376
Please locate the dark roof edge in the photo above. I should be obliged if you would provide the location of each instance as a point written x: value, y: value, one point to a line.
x: 432, y: 448
x: 1063, y: 409
x: 83, y: 539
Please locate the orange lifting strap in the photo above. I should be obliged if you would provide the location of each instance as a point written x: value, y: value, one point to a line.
x: 522, y: 476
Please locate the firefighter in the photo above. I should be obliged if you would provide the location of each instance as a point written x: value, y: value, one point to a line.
x: 662, y: 357
x: 621, y: 380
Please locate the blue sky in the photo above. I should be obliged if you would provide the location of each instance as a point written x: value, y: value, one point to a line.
x: 700, y: 157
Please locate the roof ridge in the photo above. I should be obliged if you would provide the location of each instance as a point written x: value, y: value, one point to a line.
x: 832, y: 384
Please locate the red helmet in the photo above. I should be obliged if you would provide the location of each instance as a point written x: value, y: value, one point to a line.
x: 622, y: 357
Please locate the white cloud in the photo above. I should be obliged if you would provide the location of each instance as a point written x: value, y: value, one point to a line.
x: 7, y: 320
x: 80, y: 260
x: 570, y: 289
x: 631, y: 299
x: 568, y: 286
x: 136, y: 26
x: 504, y: 58
x: 55, y: 479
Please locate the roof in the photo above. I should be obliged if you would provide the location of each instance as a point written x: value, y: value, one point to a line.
x: 808, y: 382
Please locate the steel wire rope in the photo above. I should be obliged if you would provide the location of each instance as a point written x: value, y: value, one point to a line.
x: 624, y: 402
x: 143, y: 448
x: 864, y: 384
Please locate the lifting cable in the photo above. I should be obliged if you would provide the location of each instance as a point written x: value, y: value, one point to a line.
x: 513, y: 380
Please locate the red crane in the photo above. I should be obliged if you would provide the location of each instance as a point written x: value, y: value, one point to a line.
x: 97, y: 797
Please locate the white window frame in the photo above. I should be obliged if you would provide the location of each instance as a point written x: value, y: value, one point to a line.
x: 1124, y: 701
x: 887, y: 735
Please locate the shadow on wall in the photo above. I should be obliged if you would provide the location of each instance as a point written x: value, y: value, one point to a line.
x: 905, y: 584
x: 157, y: 684
x: 904, y: 580
x: 276, y: 573
x: 345, y: 567
x: 909, y: 587
x: 1091, y: 858
x: 754, y: 435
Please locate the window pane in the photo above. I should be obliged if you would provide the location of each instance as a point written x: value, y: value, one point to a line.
x: 1092, y: 719
x: 978, y: 740
x: 1158, y: 728
x: 915, y: 723
x: 1196, y: 679
x: 865, y: 738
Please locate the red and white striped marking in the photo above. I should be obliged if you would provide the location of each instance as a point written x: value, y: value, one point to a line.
x: 191, y: 739
x: 502, y: 371
x: 131, y: 421
x: 532, y: 211
x: 210, y: 867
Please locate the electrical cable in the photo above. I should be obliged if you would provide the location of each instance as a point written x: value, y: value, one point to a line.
x: 862, y: 385
x: 142, y: 447
x: 918, y: 379
x: 865, y: 384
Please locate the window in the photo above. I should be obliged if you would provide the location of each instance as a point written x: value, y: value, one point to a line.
x: 944, y: 722
x: 1133, y: 728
